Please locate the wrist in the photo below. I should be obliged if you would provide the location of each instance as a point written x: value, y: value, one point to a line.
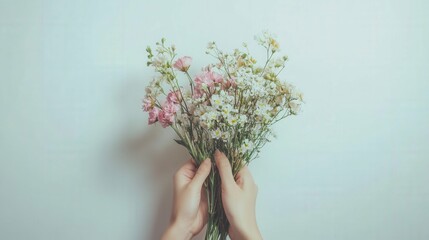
x: 250, y: 232
x: 177, y: 231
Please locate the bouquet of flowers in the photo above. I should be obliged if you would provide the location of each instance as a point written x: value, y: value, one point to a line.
x: 231, y: 105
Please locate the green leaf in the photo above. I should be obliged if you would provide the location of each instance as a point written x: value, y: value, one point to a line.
x: 180, y: 142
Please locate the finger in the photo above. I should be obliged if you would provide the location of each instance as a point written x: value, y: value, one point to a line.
x: 202, y: 172
x: 245, y: 178
x: 245, y: 173
x: 186, y: 171
x: 224, y: 168
x: 189, y: 166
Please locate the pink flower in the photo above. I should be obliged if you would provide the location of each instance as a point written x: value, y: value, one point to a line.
x: 153, y: 115
x: 174, y: 97
x: 148, y: 104
x: 167, y: 114
x: 216, y: 77
x: 198, y: 92
x: 183, y: 63
x: 207, y: 78
x: 170, y: 108
x: 165, y: 119
x: 203, y: 79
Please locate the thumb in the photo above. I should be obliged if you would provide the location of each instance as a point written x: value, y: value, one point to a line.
x: 224, y: 168
x: 202, y: 172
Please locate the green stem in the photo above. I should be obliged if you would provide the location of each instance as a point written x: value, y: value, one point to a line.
x: 190, y: 82
x: 217, y: 225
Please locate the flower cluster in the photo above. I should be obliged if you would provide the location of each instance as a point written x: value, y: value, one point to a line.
x: 230, y: 105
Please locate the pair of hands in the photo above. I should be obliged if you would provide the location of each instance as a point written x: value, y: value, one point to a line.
x: 190, y: 204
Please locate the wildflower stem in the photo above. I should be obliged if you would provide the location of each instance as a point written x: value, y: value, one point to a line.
x: 190, y: 82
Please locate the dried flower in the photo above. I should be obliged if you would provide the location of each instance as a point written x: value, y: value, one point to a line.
x: 148, y: 104
x: 183, y: 63
x: 153, y: 115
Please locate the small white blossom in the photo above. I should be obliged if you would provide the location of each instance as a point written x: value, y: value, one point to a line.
x: 158, y: 61
x: 242, y: 119
x: 216, y: 134
x: 227, y: 110
x: 211, y: 45
x: 246, y: 146
x: 208, y: 118
x: 216, y: 101
x: 226, y: 98
x: 232, y: 120
x: 295, y: 106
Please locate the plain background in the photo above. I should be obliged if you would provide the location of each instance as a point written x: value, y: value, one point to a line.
x: 78, y: 161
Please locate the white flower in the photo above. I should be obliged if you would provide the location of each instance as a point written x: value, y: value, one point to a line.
x: 216, y: 101
x: 294, y: 106
x: 198, y: 112
x: 212, y: 116
x: 158, y: 61
x: 272, y: 88
x: 217, y: 133
x: 154, y: 88
x: 211, y: 45
x: 262, y: 108
x: 226, y: 98
x: 246, y: 146
x: 279, y: 100
x: 227, y: 110
x: 279, y: 62
x: 298, y: 95
x: 232, y: 120
x: 242, y: 119
x: 209, y: 118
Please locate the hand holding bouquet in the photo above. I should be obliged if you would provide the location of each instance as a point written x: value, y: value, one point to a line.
x: 231, y: 106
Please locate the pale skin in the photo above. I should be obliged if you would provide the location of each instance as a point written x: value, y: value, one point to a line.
x: 189, y: 215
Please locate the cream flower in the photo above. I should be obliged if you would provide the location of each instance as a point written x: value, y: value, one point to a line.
x: 216, y: 134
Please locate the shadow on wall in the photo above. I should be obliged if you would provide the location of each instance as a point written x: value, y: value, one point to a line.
x: 160, y: 164
x: 155, y: 156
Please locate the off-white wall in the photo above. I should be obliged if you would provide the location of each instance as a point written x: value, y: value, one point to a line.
x: 77, y: 160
